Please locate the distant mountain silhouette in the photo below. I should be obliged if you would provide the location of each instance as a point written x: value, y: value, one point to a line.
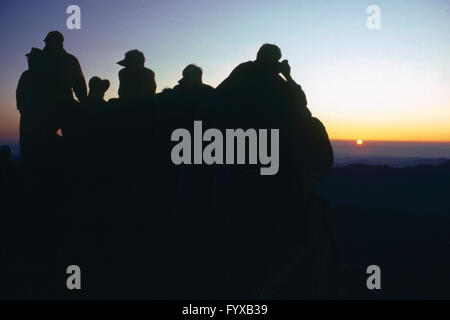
x: 397, y: 162
x: 397, y: 218
x: 445, y: 165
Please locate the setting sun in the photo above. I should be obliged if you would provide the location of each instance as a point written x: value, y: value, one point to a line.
x: 359, y: 142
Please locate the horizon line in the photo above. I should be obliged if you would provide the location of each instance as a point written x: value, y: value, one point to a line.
x: 389, y: 140
x: 331, y: 139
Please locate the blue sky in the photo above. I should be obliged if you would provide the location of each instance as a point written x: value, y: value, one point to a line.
x: 387, y: 84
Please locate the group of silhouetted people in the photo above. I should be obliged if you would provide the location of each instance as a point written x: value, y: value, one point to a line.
x: 175, y: 231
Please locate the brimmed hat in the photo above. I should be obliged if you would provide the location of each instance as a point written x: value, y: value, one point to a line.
x: 133, y: 57
x: 34, y: 51
x: 98, y: 84
x: 54, y: 36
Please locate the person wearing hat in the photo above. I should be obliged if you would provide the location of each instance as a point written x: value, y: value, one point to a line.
x: 63, y: 74
x: 61, y: 78
x: 195, y: 97
x: 45, y: 95
x: 26, y: 88
x: 136, y: 81
x: 86, y: 130
x: 97, y: 89
x: 192, y: 78
x: 29, y: 101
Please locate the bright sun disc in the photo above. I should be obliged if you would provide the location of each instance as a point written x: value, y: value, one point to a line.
x: 359, y: 142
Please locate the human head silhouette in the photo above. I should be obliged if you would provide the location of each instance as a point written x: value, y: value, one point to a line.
x: 268, y: 53
x: 98, y: 87
x: 33, y: 58
x: 132, y: 58
x: 192, y: 75
x: 54, y: 40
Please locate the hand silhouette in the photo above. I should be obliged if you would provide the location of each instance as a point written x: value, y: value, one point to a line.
x: 285, y: 68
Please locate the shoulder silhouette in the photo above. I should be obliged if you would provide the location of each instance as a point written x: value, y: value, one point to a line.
x: 62, y: 71
x: 136, y: 81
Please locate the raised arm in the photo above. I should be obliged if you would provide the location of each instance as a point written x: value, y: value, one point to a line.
x: 295, y: 89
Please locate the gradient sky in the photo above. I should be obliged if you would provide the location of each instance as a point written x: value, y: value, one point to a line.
x: 388, y: 84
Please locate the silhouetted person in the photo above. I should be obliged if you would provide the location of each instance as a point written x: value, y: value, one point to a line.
x: 97, y: 89
x: 187, y: 188
x: 54, y: 75
x: 63, y: 74
x: 62, y: 78
x: 193, y: 97
x: 262, y: 98
x: 179, y: 107
x: 135, y: 111
x: 26, y: 93
x: 98, y: 116
x: 270, y: 213
x: 86, y: 122
x: 47, y: 108
x: 192, y: 78
x: 248, y: 78
x: 136, y: 81
x: 29, y: 101
x: 262, y: 94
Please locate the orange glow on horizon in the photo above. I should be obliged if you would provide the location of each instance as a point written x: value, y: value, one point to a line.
x: 436, y: 129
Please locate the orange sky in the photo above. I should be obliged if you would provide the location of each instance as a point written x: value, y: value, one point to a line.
x: 387, y: 84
